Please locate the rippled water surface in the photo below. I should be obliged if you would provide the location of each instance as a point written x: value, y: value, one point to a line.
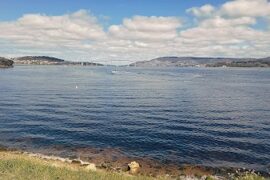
x: 216, y: 117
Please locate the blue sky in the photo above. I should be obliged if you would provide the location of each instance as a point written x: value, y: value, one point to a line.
x: 130, y: 30
x: 115, y: 9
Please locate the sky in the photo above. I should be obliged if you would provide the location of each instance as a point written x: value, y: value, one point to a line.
x: 124, y: 31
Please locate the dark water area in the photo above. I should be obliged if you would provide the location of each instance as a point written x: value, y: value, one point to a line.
x: 202, y: 116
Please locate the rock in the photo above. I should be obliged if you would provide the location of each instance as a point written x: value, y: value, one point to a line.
x: 91, y: 167
x: 182, y: 177
x: 76, y: 161
x: 106, y: 165
x: 134, y: 167
x: 68, y: 161
x: 125, y: 168
x: 83, y: 163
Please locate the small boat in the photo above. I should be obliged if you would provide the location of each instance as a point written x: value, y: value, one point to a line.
x: 114, y: 72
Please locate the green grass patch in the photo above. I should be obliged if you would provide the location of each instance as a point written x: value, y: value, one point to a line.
x: 250, y: 176
x: 20, y: 167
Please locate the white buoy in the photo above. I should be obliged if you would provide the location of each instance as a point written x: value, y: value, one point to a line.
x: 76, y: 87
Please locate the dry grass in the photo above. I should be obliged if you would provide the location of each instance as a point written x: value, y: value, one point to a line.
x: 250, y: 176
x: 20, y: 167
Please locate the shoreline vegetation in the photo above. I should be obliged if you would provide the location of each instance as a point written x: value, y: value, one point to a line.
x: 158, y: 62
x: 18, y: 165
x: 15, y: 164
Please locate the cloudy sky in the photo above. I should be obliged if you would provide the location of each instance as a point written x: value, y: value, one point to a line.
x: 124, y: 31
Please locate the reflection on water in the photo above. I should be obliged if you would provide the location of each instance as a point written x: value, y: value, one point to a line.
x: 215, y: 117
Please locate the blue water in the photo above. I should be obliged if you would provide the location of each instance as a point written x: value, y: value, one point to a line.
x: 202, y: 116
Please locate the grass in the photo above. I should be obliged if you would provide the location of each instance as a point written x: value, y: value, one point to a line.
x: 18, y: 166
x: 22, y: 167
x: 250, y: 176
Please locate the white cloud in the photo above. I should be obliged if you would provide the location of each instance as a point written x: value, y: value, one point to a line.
x: 147, y: 28
x: 227, y: 30
x: 41, y: 28
x: 222, y: 22
x: 204, y: 11
x: 252, y: 8
x: 153, y: 23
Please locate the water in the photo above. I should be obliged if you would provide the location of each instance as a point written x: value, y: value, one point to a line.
x: 213, y: 117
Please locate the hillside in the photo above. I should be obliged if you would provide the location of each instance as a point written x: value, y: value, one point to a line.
x: 46, y: 60
x: 253, y: 63
x: 37, y: 60
x: 4, y: 62
x: 203, y: 61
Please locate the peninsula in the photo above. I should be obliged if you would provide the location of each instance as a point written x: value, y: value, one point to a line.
x: 5, y: 63
x: 46, y: 60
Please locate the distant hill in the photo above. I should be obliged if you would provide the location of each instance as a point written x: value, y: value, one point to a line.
x: 203, y: 61
x: 37, y: 60
x: 5, y: 63
x: 158, y: 62
x: 251, y: 63
x: 46, y: 60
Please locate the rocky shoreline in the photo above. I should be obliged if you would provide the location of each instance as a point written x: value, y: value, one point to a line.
x: 111, y: 160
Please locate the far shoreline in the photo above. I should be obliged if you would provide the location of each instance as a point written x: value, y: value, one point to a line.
x: 167, y: 61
